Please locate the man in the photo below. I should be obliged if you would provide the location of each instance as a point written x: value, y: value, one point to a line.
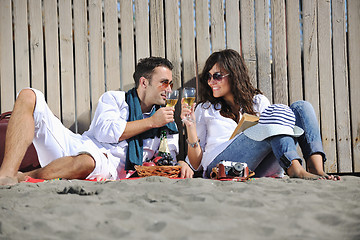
x: 124, y: 131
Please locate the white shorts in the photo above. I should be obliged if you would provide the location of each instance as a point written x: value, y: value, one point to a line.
x: 53, y: 140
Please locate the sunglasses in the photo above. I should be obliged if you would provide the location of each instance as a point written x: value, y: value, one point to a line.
x: 216, y: 76
x: 166, y: 84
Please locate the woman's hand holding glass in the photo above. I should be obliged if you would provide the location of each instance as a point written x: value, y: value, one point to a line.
x: 188, y: 105
x: 187, y: 113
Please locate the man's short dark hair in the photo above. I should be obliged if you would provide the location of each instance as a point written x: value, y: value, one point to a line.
x: 146, y: 66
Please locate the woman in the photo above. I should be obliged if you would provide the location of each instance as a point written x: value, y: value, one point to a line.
x: 226, y: 93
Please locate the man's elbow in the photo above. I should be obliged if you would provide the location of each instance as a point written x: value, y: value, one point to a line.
x: 122, y: 137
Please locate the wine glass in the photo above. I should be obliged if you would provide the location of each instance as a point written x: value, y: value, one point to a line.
x: 189, y: 98
x: 172, y: 98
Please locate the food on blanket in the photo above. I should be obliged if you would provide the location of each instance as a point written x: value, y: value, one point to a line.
x: 163, y: 157
x: 149, y: 164
x: 164, y: 160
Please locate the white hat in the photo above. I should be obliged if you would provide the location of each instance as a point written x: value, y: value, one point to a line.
x: 277, y: 119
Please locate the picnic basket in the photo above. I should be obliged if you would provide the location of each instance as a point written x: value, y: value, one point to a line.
x: 164, y: 171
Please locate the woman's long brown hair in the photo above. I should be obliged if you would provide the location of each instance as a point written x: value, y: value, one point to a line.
x: 239, y: 80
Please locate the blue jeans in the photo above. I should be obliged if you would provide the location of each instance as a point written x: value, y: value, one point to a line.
x: 270, y: 156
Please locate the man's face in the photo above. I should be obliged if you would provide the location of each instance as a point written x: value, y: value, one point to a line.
x: 160, y: 83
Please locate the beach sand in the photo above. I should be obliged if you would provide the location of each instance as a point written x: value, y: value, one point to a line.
x: 162, y: 208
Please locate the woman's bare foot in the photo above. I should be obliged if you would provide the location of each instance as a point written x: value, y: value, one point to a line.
x: 315, y: 166
x: 297, y: 171
x: 324, y: 175
x: 331, y: 177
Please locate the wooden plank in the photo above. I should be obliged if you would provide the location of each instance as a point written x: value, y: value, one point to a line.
x: 157, y: 28
x: 22, y: 64
x: 127, y: 45
x: 96, y: 52
x: 188, y: 42
x: 112, y: 64
x: 52, y: 56
x: 232, y: 15
x: 354, y: 73
x: 82, y: 81
x: 248, y: 38
x: 7, y: 86
x: 172, y: 30
x: 326, y: 85
x: 202, y: 33
x: 311, y: 84
x: 294, y: 51
x: 173, y: 39
x: 36, y: 45
x: 263, y: 47
x: 67, y: 67
x: 280, y: 83
x: 342, y: 112
x: 142, y: 29
x: 217, y: 25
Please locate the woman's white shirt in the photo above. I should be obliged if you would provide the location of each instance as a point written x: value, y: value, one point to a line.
x: 214, y: 130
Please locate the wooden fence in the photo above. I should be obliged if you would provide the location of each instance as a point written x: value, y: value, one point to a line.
x: 73, y: 51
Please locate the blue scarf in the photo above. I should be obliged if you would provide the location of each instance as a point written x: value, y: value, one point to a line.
x: 134, y: 155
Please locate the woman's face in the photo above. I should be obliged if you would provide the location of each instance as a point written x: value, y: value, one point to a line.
x: 220, y: 85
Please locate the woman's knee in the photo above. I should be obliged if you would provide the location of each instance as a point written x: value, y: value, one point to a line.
x: 301, y: 107
x: 301, y: 104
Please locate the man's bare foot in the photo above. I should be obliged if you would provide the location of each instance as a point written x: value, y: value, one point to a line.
x: 8, y: 181
x: 297, y: 171
x: 21, y: 176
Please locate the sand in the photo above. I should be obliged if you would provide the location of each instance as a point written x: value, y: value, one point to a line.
x: 162, y: 208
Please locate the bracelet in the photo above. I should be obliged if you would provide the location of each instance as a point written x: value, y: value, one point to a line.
x: 193, y: 145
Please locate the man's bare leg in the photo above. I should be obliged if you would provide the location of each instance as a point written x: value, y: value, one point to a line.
x: 314, y: 165
x: 72, y: 167
x: 19, y: 135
